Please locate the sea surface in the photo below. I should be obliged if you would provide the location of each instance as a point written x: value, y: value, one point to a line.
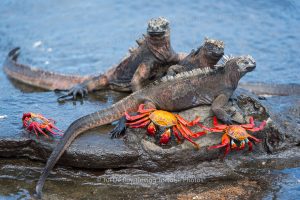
x: 87, y: 37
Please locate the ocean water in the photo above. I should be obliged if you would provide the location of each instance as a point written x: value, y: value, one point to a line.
x: 87, y: 37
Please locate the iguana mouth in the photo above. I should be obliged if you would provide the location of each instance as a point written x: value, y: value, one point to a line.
x: 250, y: 67
x: 216, y: 55
x: 156, y: 33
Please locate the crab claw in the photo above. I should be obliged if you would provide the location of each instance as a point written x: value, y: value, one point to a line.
x: 26, y: 115
x: 151, y: 129
x: 165, y: 137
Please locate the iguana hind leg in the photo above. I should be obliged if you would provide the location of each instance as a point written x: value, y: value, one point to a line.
x: 217, y: 108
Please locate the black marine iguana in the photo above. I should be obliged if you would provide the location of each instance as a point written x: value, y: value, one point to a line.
x: 171, y: 93
x: 207, y: 55
x: 146, y: 63
x: 151, y: 58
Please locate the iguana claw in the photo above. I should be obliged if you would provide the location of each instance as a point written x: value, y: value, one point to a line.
x: 119, y: 128
x: 74, y: 92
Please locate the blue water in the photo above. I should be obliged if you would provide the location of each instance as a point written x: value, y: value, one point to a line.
x: 84, y: 37
x: 87, y: 37
x: 288, y: 187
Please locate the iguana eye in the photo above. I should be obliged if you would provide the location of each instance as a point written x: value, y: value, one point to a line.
x: 246, y: 62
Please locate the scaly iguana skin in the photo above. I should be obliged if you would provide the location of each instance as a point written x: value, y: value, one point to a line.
x: 207, y: 55
x: 172, y: 93
x: 149, y: 61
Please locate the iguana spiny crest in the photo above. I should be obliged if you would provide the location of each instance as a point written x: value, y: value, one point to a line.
x: 243, y: 63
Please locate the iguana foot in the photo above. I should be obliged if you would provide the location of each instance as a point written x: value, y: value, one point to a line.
x: 119, y: 129
x: 74, y: 92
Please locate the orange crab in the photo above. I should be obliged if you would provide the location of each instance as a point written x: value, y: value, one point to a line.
x: 39, y: 124
x: 171, y: 123
x: 235, y: 136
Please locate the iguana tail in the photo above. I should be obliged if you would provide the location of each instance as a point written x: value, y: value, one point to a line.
x: 85, y: 123
x: 37, y: 77
x: 271, y: 89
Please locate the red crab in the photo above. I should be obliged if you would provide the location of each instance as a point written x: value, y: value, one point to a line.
x: 172, y: 123
x: 235, y: 136
x: 39, y: 124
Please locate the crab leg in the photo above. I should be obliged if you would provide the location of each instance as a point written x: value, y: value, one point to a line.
x: 254, y: 138
x: 40, y: 130
x: 142, y: 109
x: 250, y: 125
x: 51, y: 131
x: 132, y: 118
x: 37, y: 135
x: 142, y: 125
x: 225, y: 142
x: 55, y: 127
x: 25, y: 123
x: 187, y: 123
x: 227, y: 149
x: 250, y: 145
x: 176, y: 134
x: 242, y: 147
x: 190, y: 133
x: 261, y: 126
x: 217, y: 125
x: 206, y: 128
x: 138, y: 121
x: 186, y: 136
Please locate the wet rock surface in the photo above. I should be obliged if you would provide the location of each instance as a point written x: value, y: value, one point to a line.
x: 137, y: 150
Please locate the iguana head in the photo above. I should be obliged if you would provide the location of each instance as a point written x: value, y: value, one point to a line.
x: 243, y: 64
x: 214, y: 48
x: 158, y: 26
x: 207, y: 55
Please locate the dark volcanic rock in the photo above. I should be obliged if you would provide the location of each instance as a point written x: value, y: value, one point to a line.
x: 137, y: 150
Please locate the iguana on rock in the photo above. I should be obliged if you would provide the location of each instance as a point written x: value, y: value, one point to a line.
x: 171, y: 93
x: 207, y: 55
x: 145, y: 63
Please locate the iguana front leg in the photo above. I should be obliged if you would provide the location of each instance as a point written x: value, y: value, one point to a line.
x: 141, y: 76
x: 217, y: 108
x: 120, y: 128
x: 82, y: 89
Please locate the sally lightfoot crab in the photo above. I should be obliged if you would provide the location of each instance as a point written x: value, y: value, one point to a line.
x: 235, y: 136
x: 39, y: 124
x: 169, y: 122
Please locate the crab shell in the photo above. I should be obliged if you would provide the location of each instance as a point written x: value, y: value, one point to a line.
x: 237, y: 132
x: 163, y: 118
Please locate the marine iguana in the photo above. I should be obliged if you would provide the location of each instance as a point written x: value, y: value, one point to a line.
x: 151, y: 58
x: 207, y: 55
x: 171, y: 93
